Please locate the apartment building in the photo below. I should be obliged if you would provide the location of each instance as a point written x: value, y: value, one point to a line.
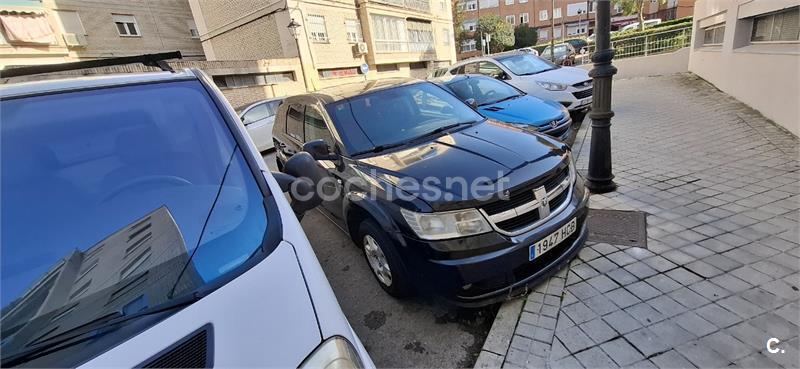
x: 335, y: 41
x: 559, y: 19
x: 750, y: 49
x: 53, y: 31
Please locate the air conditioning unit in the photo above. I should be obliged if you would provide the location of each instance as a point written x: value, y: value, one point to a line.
x: 360, y: 48
x: 75, y: 40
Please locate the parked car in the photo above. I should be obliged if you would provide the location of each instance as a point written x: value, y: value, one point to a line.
x: 401, y: 155
x: 141, y: 228
x: 635, y: 26
x: 500, y: 101
x: 438, y: 72
x: 572, y: 87
x: 258, y: 119
x: 529, y: 50
x: 580, y: 45
x: 564, y: 54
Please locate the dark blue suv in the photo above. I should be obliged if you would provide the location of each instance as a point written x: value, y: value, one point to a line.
x: 440, y: 198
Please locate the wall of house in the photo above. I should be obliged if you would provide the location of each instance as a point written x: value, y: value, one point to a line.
x: 762, y: 75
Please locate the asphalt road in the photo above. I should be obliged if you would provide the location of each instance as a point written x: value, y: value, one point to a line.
x: 397, y: 334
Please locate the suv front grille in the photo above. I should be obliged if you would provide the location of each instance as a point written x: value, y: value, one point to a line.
x: 583, y: 94
x: 524, y: 194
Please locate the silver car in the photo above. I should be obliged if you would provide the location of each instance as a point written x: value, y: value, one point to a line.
x: 258, y: 119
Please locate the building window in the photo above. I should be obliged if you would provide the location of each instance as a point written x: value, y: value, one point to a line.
x: 509, y: 2
x: 443, y: 6
x: 470, y: 5
x: 522, y: 1
x: 192, y: 28
x: 389, y: 33
x: 70, y: 22
x: 576, y: 29
x: 420, y: 36
x: 246, y: 80
x: 576, y: 9
x: 126, y: 25
x: 353, y: 29
x: 556, y: 13
x: 418, y: 65
x: 779, y: 26
x: 713, y: 35
x: 557, y: 33
x: 469, y: 26
x: 446, y: 36
x: 383, y: 68
x: 543, y: 15
x: 510, y: 19
x: 543, y: 34
x: 467, y: 46
x: 523, y: 18
x: 316, y: 28
x: 338, y: 72
x: 485, y: 4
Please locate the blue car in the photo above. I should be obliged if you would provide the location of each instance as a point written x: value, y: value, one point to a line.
x: 500, y: 101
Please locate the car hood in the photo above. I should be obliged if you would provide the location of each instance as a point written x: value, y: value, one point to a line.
x: 262, y: 318
x: 566, y: 75
x: 490, y: 154
x: 526, y: 110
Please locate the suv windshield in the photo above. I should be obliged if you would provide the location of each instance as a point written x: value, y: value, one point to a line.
x: 126, y: 198
x: 485, y: 91
x: 526, y: 64
x: 397, y: 115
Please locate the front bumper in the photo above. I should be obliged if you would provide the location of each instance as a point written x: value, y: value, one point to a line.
x: 500, y: 274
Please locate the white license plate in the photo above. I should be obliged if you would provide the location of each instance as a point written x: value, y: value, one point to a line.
x: 553, y: 239
x: 586, y: 101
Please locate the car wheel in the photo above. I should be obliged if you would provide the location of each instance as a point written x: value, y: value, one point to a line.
x: 383, y: 259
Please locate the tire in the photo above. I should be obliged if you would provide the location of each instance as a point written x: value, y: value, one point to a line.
x: 397, y: 284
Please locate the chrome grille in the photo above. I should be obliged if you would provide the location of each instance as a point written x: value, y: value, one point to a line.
x: 582, y: 94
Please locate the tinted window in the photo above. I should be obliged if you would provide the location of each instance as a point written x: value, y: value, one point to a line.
x: 315, y: 127
x: 526, y: 64
x: 490, y: 69
x: 294, y: 121
x: 396, y: 115
x: 258, y: 112
x: 483, y: 90
x: 124, y: 195
x: 471, y: 68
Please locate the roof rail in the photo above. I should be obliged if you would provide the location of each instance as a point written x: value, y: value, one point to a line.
x: 150, y: 60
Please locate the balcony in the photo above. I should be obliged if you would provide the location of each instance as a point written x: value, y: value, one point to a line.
x: 417, y: 5
x: 385, y: 47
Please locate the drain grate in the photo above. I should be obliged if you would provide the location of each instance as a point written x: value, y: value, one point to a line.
x: 618, y: 227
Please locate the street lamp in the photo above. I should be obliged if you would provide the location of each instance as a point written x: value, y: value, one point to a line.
x: 599, y: 178
x: 293, y: 28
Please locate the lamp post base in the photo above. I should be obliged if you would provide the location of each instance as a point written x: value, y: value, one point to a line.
x: 604, y: 185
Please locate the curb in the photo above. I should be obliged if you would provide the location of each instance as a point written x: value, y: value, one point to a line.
x: 494, y: 350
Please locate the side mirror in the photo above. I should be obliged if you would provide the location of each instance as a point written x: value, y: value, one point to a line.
x: 471, y: 102
x: 300, y: 178
x: 320, y: 150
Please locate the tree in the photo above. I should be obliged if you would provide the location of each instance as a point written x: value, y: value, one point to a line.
x: 458, y: 24
x: 524, y: 36
x: 631, y: 7
x: 501, y: 31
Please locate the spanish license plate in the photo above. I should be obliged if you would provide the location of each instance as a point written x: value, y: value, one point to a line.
x: 586, y: 101
x: 553, y: 239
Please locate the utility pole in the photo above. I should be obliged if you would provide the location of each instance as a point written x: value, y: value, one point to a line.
x: 599, y: 178
x: 553, y: 31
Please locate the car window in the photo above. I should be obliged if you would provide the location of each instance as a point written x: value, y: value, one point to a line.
x: 396, y: 115
x: 315, y: 127
x: 144, y: 196
x: 526, y: 64
x: 256, y: 113
x: 273, y: 107
x: 471, y: 68
x: 484, y: 90
x: 457, y: 70
x: 294, y: 121
x: 490, y: 69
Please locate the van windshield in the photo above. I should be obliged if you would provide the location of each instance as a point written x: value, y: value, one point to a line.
x: 526, y: 64
x: 116, y: 200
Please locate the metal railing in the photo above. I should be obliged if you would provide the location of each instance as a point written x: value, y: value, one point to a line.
x: 420, y: 5
x: 654, y: 43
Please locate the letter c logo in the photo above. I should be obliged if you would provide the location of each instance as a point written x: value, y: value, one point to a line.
x: 770, y: 348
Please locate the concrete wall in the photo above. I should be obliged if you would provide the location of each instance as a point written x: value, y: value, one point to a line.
x: 763, y: 76
x: 653, y: 65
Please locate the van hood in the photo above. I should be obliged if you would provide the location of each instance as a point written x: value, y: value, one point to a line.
x: 526, y: 110
x: 566, y: 75
x: 262, y: 318
x: 490, y: 154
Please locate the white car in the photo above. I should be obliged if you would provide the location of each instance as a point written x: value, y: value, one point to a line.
x: 146, y: 231
x: 572, y: 87
x: 258, y: 119
x: 635, y: 26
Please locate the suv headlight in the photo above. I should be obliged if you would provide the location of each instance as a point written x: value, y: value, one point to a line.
x: 451, y: 224
x: 334, y: 353
x: 552, y: 86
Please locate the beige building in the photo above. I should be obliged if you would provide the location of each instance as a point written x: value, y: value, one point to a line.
x: 53, y: 31
x: 334, y: 38
x: 750, y: 49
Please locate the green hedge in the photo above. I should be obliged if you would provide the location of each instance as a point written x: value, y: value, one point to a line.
x: 649, y: 31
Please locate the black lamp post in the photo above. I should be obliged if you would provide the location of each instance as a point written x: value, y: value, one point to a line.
x: 293, y: 28
x: 599, y: 178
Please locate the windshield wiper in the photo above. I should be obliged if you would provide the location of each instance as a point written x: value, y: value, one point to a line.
x: 442, y: 129
x: 532, y: 73
x: 94, y: 329
x: 379, y: 148
x: 501, y: 100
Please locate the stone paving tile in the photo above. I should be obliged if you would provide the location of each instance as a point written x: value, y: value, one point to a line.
x: 722, y: 268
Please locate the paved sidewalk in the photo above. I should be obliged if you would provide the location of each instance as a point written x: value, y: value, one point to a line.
x: 721, y: 274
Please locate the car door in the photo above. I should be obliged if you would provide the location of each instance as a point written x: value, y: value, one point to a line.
x: 315, y: 127
x: 291, y: 139
x: 258, y: 121
x: 490, y: 69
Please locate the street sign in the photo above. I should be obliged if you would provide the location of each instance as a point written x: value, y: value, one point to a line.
x: 364, y: 68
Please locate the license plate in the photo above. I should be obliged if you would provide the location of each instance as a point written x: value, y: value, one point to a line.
x: 553, y: 239
x: 586, y: 101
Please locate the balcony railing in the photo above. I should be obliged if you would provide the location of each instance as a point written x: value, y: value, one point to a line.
x: 384, y: 47
x: 419, y: 5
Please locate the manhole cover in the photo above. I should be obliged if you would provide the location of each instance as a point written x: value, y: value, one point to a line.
x: 618, y: 227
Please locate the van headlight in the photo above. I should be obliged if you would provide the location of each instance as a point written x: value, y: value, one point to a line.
x: 552, y: 86
x: 335, y: 353
x: 450, y: 224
